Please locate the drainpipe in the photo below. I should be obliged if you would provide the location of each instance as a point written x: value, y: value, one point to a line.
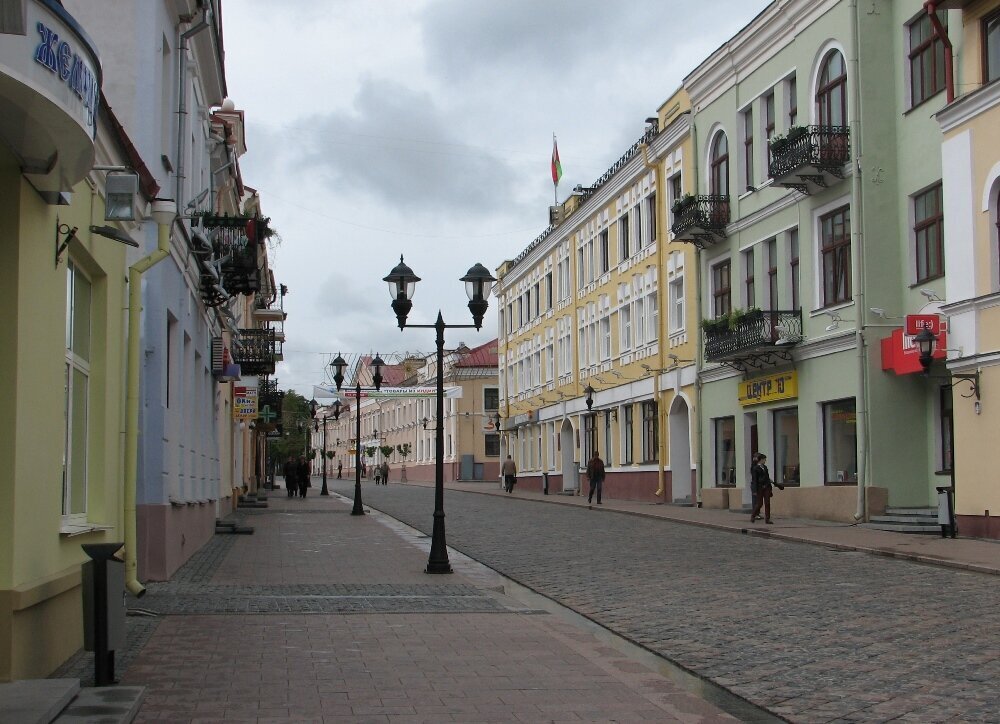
x: 164, y: 212
x: 931, y: 7
x: 699, y: 351
x: 661, y: 442
x: 857, y: 248
x: 182, y: 50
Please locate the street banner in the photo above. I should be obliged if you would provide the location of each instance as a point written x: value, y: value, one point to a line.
x: 329, y: 391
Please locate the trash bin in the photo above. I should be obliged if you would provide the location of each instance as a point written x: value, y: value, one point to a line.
x: 103, y: 608
x: 946, y: 510
x: 545, y: 483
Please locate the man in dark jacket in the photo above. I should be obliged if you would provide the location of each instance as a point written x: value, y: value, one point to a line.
x: 760, y: 482
x: 303, y: 475
x: 595, y: 473
x: 291, y: 473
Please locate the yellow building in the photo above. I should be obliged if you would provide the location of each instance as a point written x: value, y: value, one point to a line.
x: 971, y: 181
x: 597, y: 333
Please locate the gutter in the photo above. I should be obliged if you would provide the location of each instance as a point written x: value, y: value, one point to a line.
x: 164, y: 211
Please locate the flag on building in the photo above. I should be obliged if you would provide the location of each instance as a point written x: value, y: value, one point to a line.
x: 556, y: 165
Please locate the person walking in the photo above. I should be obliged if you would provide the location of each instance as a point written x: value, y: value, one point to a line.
x: 340, y: 469
x: 303, y: 470
x: 385, y: 473
x: 377, y: 472
x: 509, y: 472
x: 760, y: 482
x: 291, y: 473
x: 595, y: 473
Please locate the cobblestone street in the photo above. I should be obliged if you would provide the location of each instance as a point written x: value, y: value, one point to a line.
x: 809, y: 633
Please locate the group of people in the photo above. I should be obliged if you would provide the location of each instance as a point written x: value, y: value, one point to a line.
x: 382, y: 473
x: 296, y: 472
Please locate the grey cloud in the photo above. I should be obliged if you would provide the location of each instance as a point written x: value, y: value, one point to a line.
x: 400, y: 146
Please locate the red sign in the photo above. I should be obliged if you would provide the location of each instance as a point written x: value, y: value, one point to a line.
x: 900, y: 353
x: 916, y: 323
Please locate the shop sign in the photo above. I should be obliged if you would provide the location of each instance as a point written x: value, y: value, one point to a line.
x: 244, y: 403
x: 56, y: 54
x: 899, y: 350
x: 781, y: 386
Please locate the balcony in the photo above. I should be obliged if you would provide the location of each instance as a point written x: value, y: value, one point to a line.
x: 254, y: 351
x: 752, y: 339
x: 234, y: 242
x: 701, y: 220
x: 809, y: 158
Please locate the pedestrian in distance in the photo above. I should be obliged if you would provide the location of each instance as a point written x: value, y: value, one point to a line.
x: 303, y: 469
x: 761, y: 483
x: 291, y: 472
x: 595, y: 473
x: 340, y: 470
x: 509, y: 472
x: 377, y: 471
x: 385, y: 473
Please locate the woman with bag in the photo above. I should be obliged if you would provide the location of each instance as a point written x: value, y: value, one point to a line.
x: 760, y: 482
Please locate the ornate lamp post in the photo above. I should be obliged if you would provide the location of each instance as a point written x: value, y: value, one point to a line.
x: 339, y: 364
x: 402, y: 283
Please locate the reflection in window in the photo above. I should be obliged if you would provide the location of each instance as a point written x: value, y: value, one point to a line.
x: 786, y: 446
x: 840, y: 442
x: 725, y: 452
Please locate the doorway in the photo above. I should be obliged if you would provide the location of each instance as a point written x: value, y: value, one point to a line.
x: 678, y: 420
x: 570, y: 474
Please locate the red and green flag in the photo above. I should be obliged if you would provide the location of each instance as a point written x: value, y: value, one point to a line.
x: 556, y: 165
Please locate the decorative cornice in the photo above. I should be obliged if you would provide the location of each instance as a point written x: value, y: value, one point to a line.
x: 969, y: 106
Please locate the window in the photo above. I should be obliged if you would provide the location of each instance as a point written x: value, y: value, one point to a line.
x: 769, y: 115
x: 771, y: 246
x: 640, y: 322
x: 676, y: 190
x: 791, y: 90
x: 77, y: 391
x: 840, y: 442
x: 580, y: 269
x: 491, y: 398
x: 725, y: 451
x: 625, y: 326
x: 786, y: 446
x: 831, y: 95
x: 548, y: 290
x: 749, y: 291
x: 721, y: 297
x: 591, y: 261
x: 623, y: 237
x: 607, y: 438
x: 638, y: 226
x: 589, y: 435
x: 605, y: 334
x: 719, y: 166
x: 605, y: 252
x: 748, y: 148
x: 947, y: 431
x: 650, y: 431
x: 926, y: 58
x: 676, y: 290
x: 651, y: 217
x: 793, y: 263
x: 536, y: 300
x: 492, y: 445
x: 928, y: 231
x: 626, y: 434
x: 563, y: 272
x: 835, y: 236
x: 991, y: 47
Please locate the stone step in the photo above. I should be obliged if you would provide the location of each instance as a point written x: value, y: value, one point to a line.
x: 36, y: 701
x: 254, y: 504
x: 911, y: 511
x: 234, y: 530
x: 110, y: 704
x: 904, y: 528
x: 906, y: 519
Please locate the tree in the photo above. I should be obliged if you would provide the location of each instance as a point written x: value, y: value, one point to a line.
x: 403, y: 450
x: 387, y: 451
x: 294, y: 409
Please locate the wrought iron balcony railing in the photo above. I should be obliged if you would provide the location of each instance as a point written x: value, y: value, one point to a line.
x: 235, y: 241
x: 809, y: 155
x: 254, y: 351
x: 754, y: 333
x: 702, y: 220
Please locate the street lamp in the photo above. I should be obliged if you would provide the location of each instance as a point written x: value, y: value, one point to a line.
x: 336, y: 416
x: 402, y: 284
x: 338, y: 365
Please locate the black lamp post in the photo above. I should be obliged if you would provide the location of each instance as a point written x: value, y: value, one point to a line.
x: 402, y: 283
x: 338, y: 365
x: 336, y: 416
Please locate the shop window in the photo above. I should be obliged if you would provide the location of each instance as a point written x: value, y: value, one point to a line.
x: 786, y: 446
x: 725, y: 452
x: 840, y: 442
x: 650, y: 431
x: 627, y: 434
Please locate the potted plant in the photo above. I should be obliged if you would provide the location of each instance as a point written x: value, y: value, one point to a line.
x: 682, y: 203
x: 329, y: 454
x: 404, y: 451
x: 715, y: 325
x: 777, y: 144
x: 795, y: 132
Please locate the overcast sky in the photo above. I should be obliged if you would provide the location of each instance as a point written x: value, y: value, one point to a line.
x: 424, y: 128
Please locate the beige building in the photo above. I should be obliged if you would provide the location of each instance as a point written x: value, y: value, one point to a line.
x: 598, y: 337
x: 971, y: 182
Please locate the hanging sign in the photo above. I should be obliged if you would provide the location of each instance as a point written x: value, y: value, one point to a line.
x: 244, y: 403
x: 781, y: 386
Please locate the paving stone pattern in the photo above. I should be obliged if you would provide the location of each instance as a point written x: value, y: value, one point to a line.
x: 811, y: 634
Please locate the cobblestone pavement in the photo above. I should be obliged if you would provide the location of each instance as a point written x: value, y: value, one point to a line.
x: 811, y: 634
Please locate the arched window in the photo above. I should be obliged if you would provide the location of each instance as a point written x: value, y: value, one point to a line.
x: 831, y: 91
x: 719, y: 166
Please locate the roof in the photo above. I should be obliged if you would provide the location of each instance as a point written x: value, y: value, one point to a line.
x: 483, y: 356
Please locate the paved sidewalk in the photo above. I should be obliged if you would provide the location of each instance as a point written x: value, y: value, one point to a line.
x: 981, y: 556
x: 327, y: 617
